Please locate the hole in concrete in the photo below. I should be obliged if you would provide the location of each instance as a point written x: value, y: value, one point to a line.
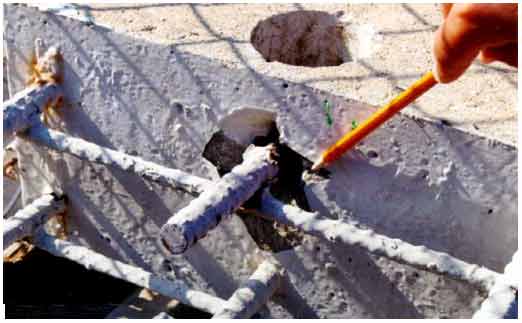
x: 301, y: 38
x: 224, y: 151
x: 372, y: 154
x: 490, y: 211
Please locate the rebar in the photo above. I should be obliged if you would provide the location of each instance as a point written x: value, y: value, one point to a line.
x: 24, y: 109
x: 337, y: 231
x: 254, y: 293
x: 218, y: 201
x: 503, y: 297
x: 92, y: 152
x: 24, y: 222
x: 90, y: 259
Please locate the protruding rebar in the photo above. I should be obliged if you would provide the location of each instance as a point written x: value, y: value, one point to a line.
x: 218, y: 201
x: 395, y: 249
x: 86, y: 150
x: 176, y: 289
x: 254, y: 293
x: 503, y: 296
x: 26, y: 221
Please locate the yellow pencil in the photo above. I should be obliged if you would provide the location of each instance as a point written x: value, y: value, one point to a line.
x: 351, y: 138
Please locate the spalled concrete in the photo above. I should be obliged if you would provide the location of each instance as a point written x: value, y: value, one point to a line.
x: 420, y: 181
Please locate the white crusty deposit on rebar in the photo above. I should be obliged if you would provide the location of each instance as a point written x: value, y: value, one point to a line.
x: 24, y: 109
x: 24, y: 222
x: 97, y: 154
x: 219, y: 200
x: 254, y: 293
x: 92, y: 260
x: 502, y: 300
x: 337, y: 231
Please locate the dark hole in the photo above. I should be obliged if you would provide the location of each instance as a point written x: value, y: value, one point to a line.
x: 316, y: 40
x: 349, y: 259
x: 445, y: 122
x: 285, y: 85
x: 416, y: 274
x: 44, y: 22
x: 179, y: 107
x: 225, y: 153
x: 372, y: 154
x: 490, y: 211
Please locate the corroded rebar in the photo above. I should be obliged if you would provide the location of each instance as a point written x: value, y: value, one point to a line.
x: 24, y: 109
x: 24, y: 222
x: 176, y: 289
x: 219, y: 200
x: 254, y: 293
x: 86, y: 150
x: 502, y: 299
x: 395, y: 249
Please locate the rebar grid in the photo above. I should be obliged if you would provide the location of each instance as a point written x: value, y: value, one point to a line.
x: 311, y: 223
x: 24, y: 115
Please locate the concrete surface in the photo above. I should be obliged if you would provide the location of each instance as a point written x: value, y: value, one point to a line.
x: 420, y: 181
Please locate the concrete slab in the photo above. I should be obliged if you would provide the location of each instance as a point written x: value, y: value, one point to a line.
x: 417, y: 180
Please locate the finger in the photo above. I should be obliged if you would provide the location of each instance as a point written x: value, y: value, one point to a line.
x: 446, y: 8
x: 464, y: 33
x: 507, y: 53
x: 453, y: 55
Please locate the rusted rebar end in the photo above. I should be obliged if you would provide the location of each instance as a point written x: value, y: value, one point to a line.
x: 172, y: 240
x: 11, y: 169
x: 45, y: 67
x: 17, y: 251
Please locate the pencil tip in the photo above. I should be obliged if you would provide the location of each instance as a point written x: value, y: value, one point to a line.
x: 317, y: 165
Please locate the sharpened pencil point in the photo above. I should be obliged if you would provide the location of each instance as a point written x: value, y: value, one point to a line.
x: 318, y: 164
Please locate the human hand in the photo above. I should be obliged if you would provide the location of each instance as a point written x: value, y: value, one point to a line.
x: 469, y: 30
